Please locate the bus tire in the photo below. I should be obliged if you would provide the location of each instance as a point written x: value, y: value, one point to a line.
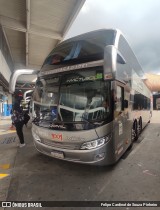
x: 139, y: 126
x: 134, y: 131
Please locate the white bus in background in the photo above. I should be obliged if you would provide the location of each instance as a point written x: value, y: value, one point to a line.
x: 76, y: 79
x: 158, y: 103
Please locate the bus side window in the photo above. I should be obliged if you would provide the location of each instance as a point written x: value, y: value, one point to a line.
x: 119, y: 106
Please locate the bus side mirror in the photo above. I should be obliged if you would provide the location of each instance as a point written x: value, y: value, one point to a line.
x: 14, y: 76
x: 125, y: 103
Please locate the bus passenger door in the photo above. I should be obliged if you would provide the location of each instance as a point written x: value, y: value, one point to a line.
x: 122, y: 125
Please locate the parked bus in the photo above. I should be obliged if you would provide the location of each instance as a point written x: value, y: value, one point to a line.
x: 158, y: 103
x: 90, y: 101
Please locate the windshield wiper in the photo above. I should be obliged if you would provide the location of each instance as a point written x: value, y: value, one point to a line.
x: 39, y: 120
x: 66, y: 122
x: 57, y: 124
x: 73, y: 122
x: 95, y: 122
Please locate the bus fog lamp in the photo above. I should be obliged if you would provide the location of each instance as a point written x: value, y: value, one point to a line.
x: 100, y: 156
x: 93, y: 144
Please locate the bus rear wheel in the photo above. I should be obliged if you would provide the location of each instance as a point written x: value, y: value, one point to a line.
x: 140, y: 126
x: 134, y: 132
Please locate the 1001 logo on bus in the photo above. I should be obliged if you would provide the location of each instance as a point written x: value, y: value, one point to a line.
x: 57, y: 136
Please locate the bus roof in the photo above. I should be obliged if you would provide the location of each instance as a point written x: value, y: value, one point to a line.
x: 90, y: 34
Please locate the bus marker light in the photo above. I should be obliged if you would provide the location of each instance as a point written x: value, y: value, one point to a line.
x: 120, y: 150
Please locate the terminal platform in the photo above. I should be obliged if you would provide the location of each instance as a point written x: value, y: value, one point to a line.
x: 27, y: 175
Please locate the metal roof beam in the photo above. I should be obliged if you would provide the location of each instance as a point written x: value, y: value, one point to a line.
x: 28, y: 14
x: 12, y: 24
x: 46, y: 33
x: 73, y: 16
x: 8, y: 46
x: 20, y: 26
x: 28, y: 27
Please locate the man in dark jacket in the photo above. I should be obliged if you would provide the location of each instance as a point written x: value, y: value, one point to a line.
x: 18, y: 119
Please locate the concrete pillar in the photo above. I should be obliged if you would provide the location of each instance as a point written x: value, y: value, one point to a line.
x: 9, y: 104
x: 5, y: 105
x: 6, y: 66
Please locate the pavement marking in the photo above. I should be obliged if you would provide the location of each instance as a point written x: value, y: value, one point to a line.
x: 149, y: 173
x: 7, y: 132
x: 3, y: 176
x: 8, y: 140
x: 4, y: 166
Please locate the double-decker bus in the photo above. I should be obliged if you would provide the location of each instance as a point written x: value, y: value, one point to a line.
x: 90, y: 101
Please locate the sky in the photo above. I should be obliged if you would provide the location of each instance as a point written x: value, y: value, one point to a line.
x: 139, y: 21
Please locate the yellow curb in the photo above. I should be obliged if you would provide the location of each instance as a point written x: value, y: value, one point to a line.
x: 3, y: 175
x: 7, y: 132
x: 5, y: 166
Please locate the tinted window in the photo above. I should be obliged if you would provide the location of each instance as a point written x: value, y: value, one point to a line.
x: 141, y: 102
x: 88, y: 47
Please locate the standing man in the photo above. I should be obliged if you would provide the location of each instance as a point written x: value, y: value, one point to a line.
x: 18, y: 119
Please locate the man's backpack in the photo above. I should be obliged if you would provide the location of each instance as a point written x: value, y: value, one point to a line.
x: 26, y: 118
x: 17, y: 117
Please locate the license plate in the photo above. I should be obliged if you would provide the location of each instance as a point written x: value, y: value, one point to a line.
x: 57, y: 154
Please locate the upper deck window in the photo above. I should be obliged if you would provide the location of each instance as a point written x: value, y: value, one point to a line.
x: 83, y: 48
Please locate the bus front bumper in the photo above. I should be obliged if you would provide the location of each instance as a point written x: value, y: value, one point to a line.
x: 99, y: 156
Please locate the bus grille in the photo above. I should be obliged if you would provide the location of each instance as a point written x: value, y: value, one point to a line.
x: 62, y: 145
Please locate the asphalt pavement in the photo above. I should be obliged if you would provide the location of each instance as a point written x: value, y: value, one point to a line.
x: 27, y: 175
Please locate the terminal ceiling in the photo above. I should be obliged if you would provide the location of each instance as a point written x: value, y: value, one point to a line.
x: 33, y: 28
x: 153, y: 82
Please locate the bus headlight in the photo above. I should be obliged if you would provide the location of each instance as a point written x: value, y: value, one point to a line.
x: 95, y: 143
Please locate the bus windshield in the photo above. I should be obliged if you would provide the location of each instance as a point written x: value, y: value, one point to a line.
x: 74, y: 101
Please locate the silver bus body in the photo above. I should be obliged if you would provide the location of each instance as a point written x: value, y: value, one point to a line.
x: 103, y: 137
